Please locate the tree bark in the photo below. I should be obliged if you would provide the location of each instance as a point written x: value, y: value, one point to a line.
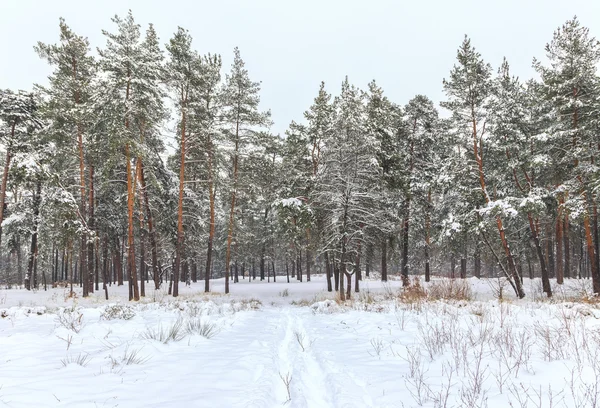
x: 232, y: 209
x: 211, y: 229
x: 31, y: 283
x: 151, y: 231
x: 91, y: 221
x: 559, y: 247
x: 384, y: 276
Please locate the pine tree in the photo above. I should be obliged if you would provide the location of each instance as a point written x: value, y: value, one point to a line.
x: 468, y: 90
x: 69, y: 109
x: 240, y: 100
x: 182, y: 78
x: 569, y: 90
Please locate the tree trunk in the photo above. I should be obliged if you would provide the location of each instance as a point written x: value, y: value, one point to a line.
x: 328, y: 271
x: 232, y: 209
x: 91, y: 221
x: 211, y: 230
x: 308, y: 256
x: 336, y: 275
x: 131, y: 266
x: 538, y: 247
x: 567, y: 244
x: 180, y: 237
x: 384, y: 276
x: 3, y: 188
x: 477, y: 260
x: 463, y: 268
x: 150, y: 222
x: 405, y: 245
x: 105, y: 266
x: 559, y: 247
x: 31, y: 282
x: 357, y: 270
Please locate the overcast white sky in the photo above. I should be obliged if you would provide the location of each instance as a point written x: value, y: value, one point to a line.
x: 407, y: 46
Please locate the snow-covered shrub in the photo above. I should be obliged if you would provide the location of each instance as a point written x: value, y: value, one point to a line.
x: 202, y: 328
x: 325, y: 307
x: 70, y: 319
x: 165, y: 334
x: 124, y: 312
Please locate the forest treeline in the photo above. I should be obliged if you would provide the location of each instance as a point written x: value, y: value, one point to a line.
x: 505, y: 186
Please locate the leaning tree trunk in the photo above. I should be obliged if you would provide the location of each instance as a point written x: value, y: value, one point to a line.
x: 514, y: 274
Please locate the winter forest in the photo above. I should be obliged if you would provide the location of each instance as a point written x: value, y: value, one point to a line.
x: 499, y: 181
x: 161, y: 245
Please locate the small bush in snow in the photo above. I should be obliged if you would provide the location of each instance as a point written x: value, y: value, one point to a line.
x: 450, y: 289
x: 70, y: 319
x: 165, y: 334
x: 204, y: 329
x: 325, y: 307
x: 80, y: 359
x: 413, y: 294
x: 124, y: 312
x: 129, y: 357
x: 284, y: 293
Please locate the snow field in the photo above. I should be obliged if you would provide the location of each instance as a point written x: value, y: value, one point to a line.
x: 256, y: 349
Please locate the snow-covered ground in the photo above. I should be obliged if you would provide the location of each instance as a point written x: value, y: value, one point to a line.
x: 263, y: 346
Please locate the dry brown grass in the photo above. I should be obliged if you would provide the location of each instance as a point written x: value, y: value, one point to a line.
x: 450, y: 289
x: 414, y: 293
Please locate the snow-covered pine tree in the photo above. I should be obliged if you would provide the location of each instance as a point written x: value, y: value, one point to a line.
x: 182, y: 73
x: 384, y: 123
x: 569, y: 89
x: 240, y: 99
x: 347, y: 188
x: 514, y: 150
x: 68, y: 110
x: 468, y: 90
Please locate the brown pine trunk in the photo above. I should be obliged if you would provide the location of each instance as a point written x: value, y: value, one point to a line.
x: 4, y: 182
x: 232, y: 209
x: 308, y: 256
x: 82, y: 184
x: 357, y: 269
x: 82, y: 211
x: 91, y: 221
x: 567, y: 244
x: 131, y: 266
x: 211, y: 230
x: 559, y: 246
x: 31, y: 282
x: 180, y: 236
x: 105, y: 266
x: 427, y: 236
x: 150, y: 222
